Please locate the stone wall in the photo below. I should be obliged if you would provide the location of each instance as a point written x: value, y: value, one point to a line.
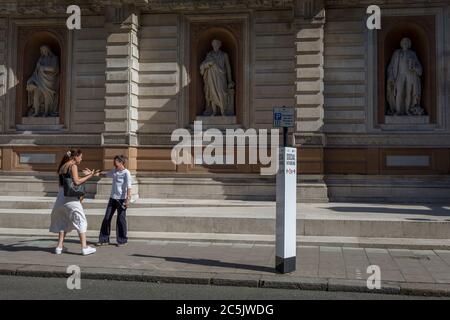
x: 88, y: 74
x: 159, y: 74
x: 273, y: 63
x: 3, y: 78
x: 447, y: 64
x: 345, y: 66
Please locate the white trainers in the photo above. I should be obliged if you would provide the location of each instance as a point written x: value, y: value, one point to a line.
x: 88, y: 250
x: 59, y: 250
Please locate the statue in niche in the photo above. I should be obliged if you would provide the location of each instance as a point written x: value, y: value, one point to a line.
x: 218, y: 83
x: 403, y: 81
x: 43, y: 85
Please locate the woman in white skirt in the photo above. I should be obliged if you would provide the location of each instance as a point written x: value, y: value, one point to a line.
x: 68, y: 214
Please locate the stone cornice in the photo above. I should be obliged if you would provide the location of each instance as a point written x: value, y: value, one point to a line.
x: 45, y: 7
x: 217, y: 4
x: 384, y: 3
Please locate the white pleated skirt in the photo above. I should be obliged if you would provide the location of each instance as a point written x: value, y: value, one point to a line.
x: 67, y: 215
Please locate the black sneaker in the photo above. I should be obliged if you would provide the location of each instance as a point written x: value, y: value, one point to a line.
x: 122, y: 244
x: 99, y: 244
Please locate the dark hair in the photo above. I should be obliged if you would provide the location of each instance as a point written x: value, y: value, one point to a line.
x: 69, y: 155
x: 121, y: 159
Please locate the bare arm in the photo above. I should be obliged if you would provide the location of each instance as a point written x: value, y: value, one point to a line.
x: 127, y: 201
x: 76, y: 179
x: 129, y: 184
x: 103, y: 173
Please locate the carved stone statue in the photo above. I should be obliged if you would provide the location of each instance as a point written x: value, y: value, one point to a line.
x: 43, y: 85
x: 403, y: 81
x: 218, y: 84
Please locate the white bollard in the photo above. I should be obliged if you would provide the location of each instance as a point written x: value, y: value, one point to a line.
x: 286, y: 217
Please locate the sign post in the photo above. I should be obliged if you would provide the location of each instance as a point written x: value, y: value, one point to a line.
x: 286, y: 195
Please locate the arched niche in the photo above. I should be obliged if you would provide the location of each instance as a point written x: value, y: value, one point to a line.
x: 421, y: 31
x: 30, y: 41
x: 201, y: 38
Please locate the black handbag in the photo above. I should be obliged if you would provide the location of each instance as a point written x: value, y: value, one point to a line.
x: 70, y: 188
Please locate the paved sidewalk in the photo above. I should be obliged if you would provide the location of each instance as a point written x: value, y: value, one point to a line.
x: 418, y: 272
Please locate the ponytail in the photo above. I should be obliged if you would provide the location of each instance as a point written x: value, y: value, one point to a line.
x: 69, y: 155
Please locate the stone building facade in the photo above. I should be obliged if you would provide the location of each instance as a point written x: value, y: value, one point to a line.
x: 129, y: 77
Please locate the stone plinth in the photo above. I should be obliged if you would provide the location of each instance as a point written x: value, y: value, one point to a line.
x: 40, y: 124
x: 218, y: 122
x: 406, y: 120
x: 407, y: 123
x: 40, y: 120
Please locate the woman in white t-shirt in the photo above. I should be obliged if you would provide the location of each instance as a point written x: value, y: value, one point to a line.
x: 119, y: 200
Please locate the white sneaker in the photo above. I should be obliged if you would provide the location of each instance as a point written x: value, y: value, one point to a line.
x: 59, y: 250
x: 88, y: 250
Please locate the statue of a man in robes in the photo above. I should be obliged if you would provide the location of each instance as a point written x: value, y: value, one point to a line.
x: 43, y: 85
x: 403, y: 81
x: 218, y: 84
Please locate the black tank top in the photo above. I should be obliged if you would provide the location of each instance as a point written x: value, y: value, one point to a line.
x: 64, y: 175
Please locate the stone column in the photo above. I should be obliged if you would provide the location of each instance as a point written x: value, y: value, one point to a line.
x: 122, y: 77
x: 121, y: 97
x: 308, y: 136
x: 309, y: 28
x: 3, y: 25
x: 4, y: 162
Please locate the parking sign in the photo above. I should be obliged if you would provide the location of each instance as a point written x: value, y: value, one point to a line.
x: 283, y: 117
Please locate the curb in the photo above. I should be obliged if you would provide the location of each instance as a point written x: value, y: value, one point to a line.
x: 227, y: 279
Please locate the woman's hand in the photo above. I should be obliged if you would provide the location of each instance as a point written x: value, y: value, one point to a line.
x: 87, y: 172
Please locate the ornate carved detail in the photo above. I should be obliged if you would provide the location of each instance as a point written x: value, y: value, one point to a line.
x: 43, y: 7
x: 384, y: 3
x: 403, y: 140
x: 217, y: 4
x: 46, y: 7
x: 318, y: 140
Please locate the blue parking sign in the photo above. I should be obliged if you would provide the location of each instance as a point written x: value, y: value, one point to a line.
x: 283, y: 117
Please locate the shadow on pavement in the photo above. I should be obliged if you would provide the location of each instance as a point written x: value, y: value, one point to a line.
x: 210, y: 263
x: 438, y: 211
x: 30, y: 245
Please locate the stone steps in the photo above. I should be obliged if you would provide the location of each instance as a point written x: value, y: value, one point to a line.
x: 250, y: 187
x: 244, y: 187
x: 196, y: 218
x: 389, y: 188
x: 36, y: 202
